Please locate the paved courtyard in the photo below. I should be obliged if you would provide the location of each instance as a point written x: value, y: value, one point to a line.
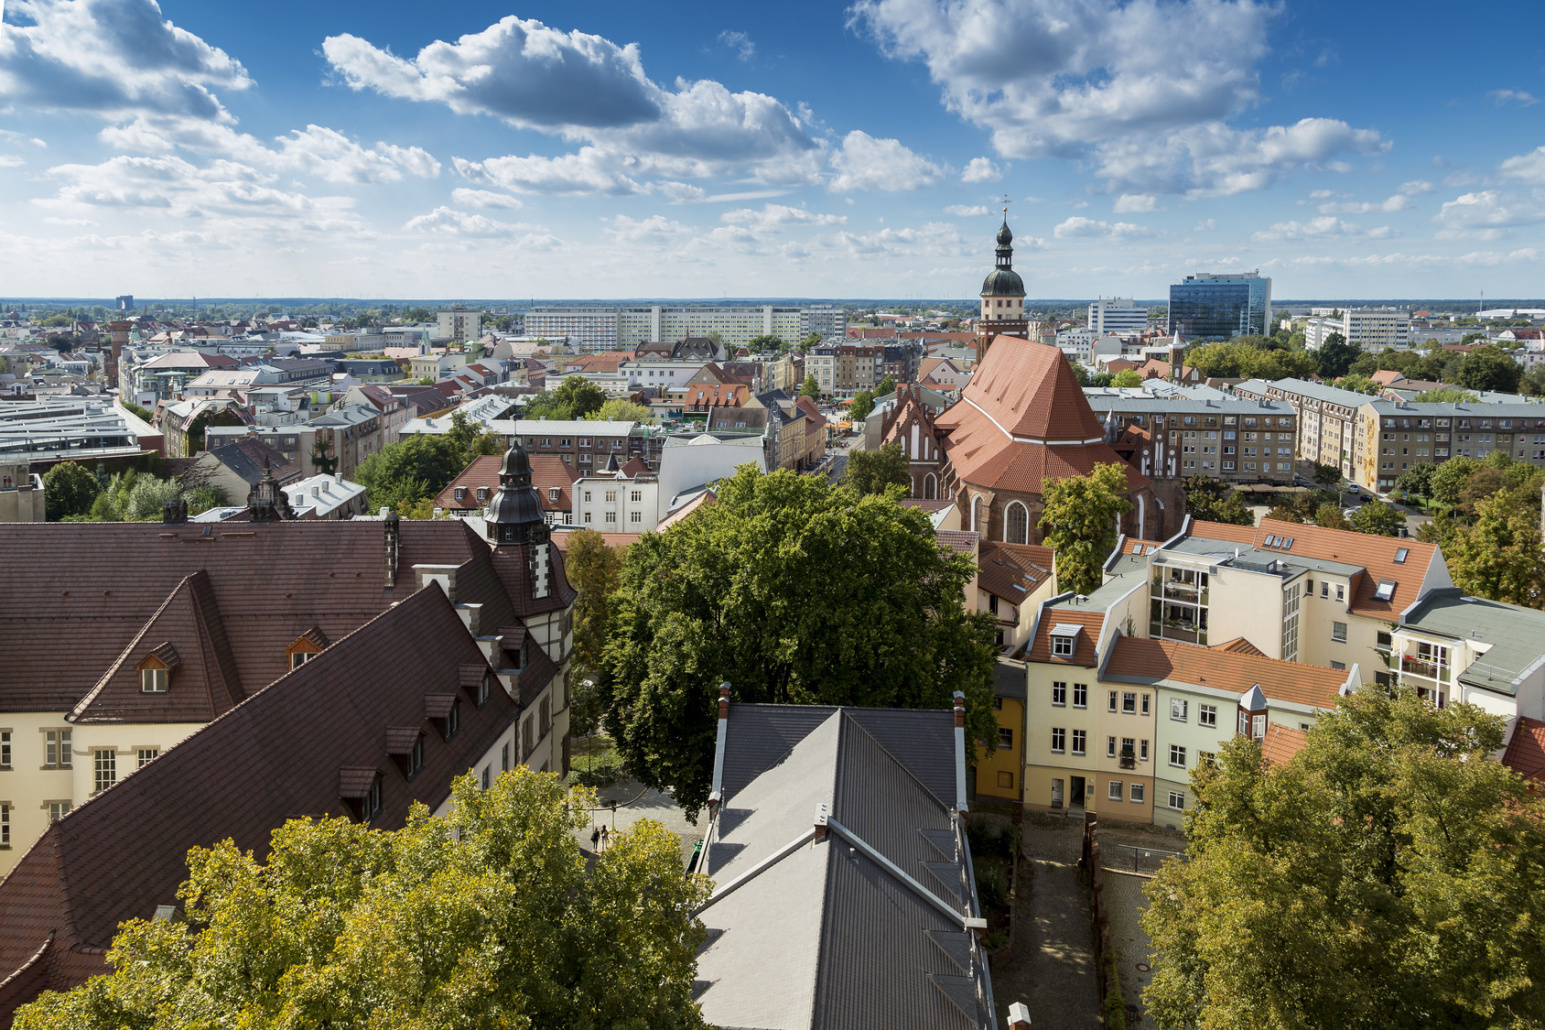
x: 635, y: 802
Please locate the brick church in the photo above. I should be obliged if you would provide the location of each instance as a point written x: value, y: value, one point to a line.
x: 1022, y: 421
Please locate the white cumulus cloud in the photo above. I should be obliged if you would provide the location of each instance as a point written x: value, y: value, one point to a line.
x: 1528, y: 168
x: 1080, y: 227
x: 981, y: 169
x: 1486, y: 214
x: 865, y: 162
x: 773, y: 216
x: 1135, y: 203
x: 1322, y: 228
x: 967, y: 210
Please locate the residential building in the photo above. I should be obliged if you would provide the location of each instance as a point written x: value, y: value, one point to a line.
x: 326, y: 496
x: 1393, y: 435
x: 239, y: 466
x: 1011, y: 581
x: 1327, y: 418
x: 376, y: 722
x: 1450, y: 647
x: 845, y: 887
x: 629, y: 328
x: 1207, y: 433
x: 618, y: 499
x: 1000, y: 763
x: 843, y: 369
x: 1372, y: 329
x: 459, y: 325
x: 474, y: 486
x: 162, y: 376
x: 1219, y: 306
x: 1117, y: 316
x: 21, y: 494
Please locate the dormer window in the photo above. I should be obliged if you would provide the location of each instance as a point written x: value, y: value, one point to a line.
x: 306, y: 647
x: 461, y: 493
x: 482, y: 495
x: 444, y: 710
x: 299, y: 658
x: 1063, y: 638
x: 453, y: 720
x: 552, y: 493
x: 155, y: 669
x: 360, y: 788
x: 406, y: 745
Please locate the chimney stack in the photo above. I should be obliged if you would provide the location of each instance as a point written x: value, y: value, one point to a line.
x: 174, y: 512
x: 1019, y: 1016
x: 960, y: 754
x: 716, y: 795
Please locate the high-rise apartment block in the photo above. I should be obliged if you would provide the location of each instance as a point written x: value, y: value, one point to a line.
x: 1220, y: 306
x: 1369, y: 328
x: 627, y: 328
x: 1117, y: 316
x: 460, y: 325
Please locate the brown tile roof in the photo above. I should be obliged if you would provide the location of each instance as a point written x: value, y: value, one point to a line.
x: 1225, y: 670
x: 247, y: 456
x: 704, y: 395
x: 1030, y: 391
x: 482, y: 472
x: 1376, y: 554
x: 1083, y: 648
x: 1282, y: 743
x: 959, y: 541
x: 1013, y: 571
x: 1239, y: 645
x: 290, y: 750
x: 83, y: 609
x: 1525, y: 753
x: 191, y: 359
x: 635, y: 467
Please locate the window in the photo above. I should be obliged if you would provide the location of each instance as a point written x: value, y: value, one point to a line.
x: 370, y: 804
x: 56, y: 749
x: 1146, y: 699
x: 145, y: 755
x: 1110, y: 747
x: 1341, y: 591
x: 482, y: 692
x: 1062, y: 646
x: 611, y: 497
x: 587, y: 518
x: 1143, y: 753
x: 105, y: 769
x: 1017, y: 524
x: 1112, y: 706
x: 636, y: 517
x: 1080, y: 695
x: 1115, y: 790
x: 1137, y: 793
x: 1129, y: 703
x: 637, y: 495
x: 504, y: 757
x: 152, y: 680
x: 5, y: 749
x: 1338, y: 665
x: 1258, y: 726
x: 453, y: 720
x: 1177, y: 801
x: 1400, y: 555
x: 297, y: 659
x: 5, y: 826
x: 1385, y: 591
x: 1059, y: 694
x: 1059, y: 739
x: 461, y: 493
x: 1338, y: 632
x: 997, y: 704
x: 1080, y: 738
x: 611, y: 517
x: 1177, y: 756
x: 1006, y: 738
x: 1207, y: 715
x: 552, y: 493
x: 486, y: 775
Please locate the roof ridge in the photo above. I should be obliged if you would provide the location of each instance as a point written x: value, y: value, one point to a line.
x: 849, y: 720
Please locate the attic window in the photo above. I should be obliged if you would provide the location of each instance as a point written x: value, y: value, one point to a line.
x: 360, y: 788
x: 306, y: 647
x: 155, y: 669
x: 1271, y: 541
x: 153, y: 679
x: 1062, y: 640
x: 461, y: 493
x: 552, y: 493
x: 482, y: 494
x: 1401, y: 554
x: 1386, y: 590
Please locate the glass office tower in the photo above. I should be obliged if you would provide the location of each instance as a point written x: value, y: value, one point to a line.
x: 1212, y: 306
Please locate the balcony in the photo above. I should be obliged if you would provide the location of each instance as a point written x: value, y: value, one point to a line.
x: 1418, y: 667
x: 1127, y: 761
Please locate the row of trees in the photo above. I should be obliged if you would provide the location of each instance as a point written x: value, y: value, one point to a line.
x: 75, y: 495
x: 1486, y: 368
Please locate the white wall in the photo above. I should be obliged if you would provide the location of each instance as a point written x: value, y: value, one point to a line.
x: 703, y: 460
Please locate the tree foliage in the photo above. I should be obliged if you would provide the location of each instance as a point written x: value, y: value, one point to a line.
x: 1416, y: 481
x: 811, y: 388
x: 1335, y: 356
x: 795, y: 592
x: 1127, y: 378
x: 885, y: 387
x: 1489, y: 368
x: 574, y: 398
x: 863, y: 404
x: 1499, y: 557
x: 1330, y: 516
x: 68, y: 489
x: 1245, y: 358
x: 619, y: 410
x: 1079, y: 521
x: 875, y: 472
x: 594, y: 570
x: 1378, y: 519
x: 417, y: 467
x: 1211, y: 501
x: 1327, y: 476
x: 767, y: 342
x: 1390, y: 875
x: 486, y: 918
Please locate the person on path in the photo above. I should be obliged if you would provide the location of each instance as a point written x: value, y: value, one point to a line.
x: 605, y: 838
x: 595, y: 839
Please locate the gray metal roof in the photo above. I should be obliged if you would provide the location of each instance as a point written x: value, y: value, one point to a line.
x: 1009, y: 680
x: 827, y: 934
x: 1516, y: 635
x: 1178, y: 403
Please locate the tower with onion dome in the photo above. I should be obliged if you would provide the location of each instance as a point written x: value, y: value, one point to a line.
x: 1003, y: 297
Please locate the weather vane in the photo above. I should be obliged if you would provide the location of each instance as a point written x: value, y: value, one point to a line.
x: 1006, y: 205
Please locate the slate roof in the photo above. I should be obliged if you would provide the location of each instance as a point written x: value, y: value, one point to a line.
x: 309, y: 740
x: 826, y: 935
x: 1149, y: 661
x: 246, y: 456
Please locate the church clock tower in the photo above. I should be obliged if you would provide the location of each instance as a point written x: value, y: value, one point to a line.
x: 1003, y: 297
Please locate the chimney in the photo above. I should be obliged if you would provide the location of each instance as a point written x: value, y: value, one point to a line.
x: 1019, y: 1016
x: 716, y: 795
x: 960, y: 754
x: 393, y: 529
x: 174, y: 512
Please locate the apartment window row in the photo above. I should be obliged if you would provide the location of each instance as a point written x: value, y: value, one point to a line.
x: 1129, y: 702
x: 1136, y: 792
x: 1059, y: 694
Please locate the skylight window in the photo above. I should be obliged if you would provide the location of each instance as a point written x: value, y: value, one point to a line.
x: 1400, y: 555
x: 1386, y: 590
x: 1271, y: 541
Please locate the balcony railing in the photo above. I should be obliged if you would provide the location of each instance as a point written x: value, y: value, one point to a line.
x: 1418, y: 667
x: 1128, y: 762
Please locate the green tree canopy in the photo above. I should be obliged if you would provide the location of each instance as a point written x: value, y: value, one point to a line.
x: 619, y: 410
x: 1450, y: 477
x: 1390, y: 875
x: 1079, y: 523
x: 1416, y: 481
x: 875, y: 472
x: 793, y: 591
x: 1330, y: 516
x: 1445, y: 395
x: 811, y: 388
x: 1378, y: 519
x: 1210, y: 500
x: 1490, y: 368
x: 766, y: 342
x: 863, y: 404
x: 416, y: 467
x: 885, y: 387
x: 1127, y: 377
x: 1499, y: 557
x: 811, y: 340
x: 68, y: 489
x: 486, y: 918
x: 594, y: 570
x: 1335, y: 356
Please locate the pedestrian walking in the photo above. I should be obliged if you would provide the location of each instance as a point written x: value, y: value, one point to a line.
x: 605, y: 838
x: 595, y: 839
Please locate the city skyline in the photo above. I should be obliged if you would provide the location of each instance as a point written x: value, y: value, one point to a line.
x: 812, y: 150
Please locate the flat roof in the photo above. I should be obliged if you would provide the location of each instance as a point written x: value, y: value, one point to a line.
x: 1514, y: 635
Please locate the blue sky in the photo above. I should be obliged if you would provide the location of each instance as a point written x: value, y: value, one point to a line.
x: 797, y: 149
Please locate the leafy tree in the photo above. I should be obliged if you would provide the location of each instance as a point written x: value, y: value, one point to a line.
x: 1444, y: 395
x: 619, y: 410
x: 811, y: 388
x: 1327, y: 476
x: 1378, y: 519
x: 489, y: 917
x: 1470, y: 338
x: 811, y: 340
x: 595, y: 570
x: 1335, y: 356
x: 1079, y: 523
x: 1330, y: 516
x: 1490, y: 368
x: 1416, y: 481
x: 417, y: 315
x: 55, y: 321
x: 795, y: 592
x: 1533, y: 382
x: 136, y: 410
x: 1390, y: 874
x: 68, y: 489
x: 470, y: 439
x: 1285, y: 513
x: 320, y: 458
x: 863, y: 404
x: 579, y: 396
x: 1449, y: 479
x: 1500, y: 557
x: 414, y: 468
x: 876, y: 472
x: 1206, y: 500
x: 1359, y: 384
x: 1080, y: 373
x: 885, y: 387
x: 1127, y: 377
x: 766, y: 342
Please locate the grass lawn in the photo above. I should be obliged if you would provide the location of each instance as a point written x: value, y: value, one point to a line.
x: 594, y: 760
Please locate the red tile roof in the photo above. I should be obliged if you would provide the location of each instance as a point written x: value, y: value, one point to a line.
x: 1030, y: 391
x: 1083, y: 647
x: 1239, y: 645
x: 283, y: 753
x: 1013, y: 571
x: 547, y: 472
x: 1282, y: 743
x: 1525, y: 753
x: 1225, y: 670
x: 1376, y: 554
x: 959, y: 541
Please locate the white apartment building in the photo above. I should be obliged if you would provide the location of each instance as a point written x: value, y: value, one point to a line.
x: 1117, y: 315
x: 664, y: 375
x: 460, y: 325
x: 1372, y: 329
x: 627, y: 328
